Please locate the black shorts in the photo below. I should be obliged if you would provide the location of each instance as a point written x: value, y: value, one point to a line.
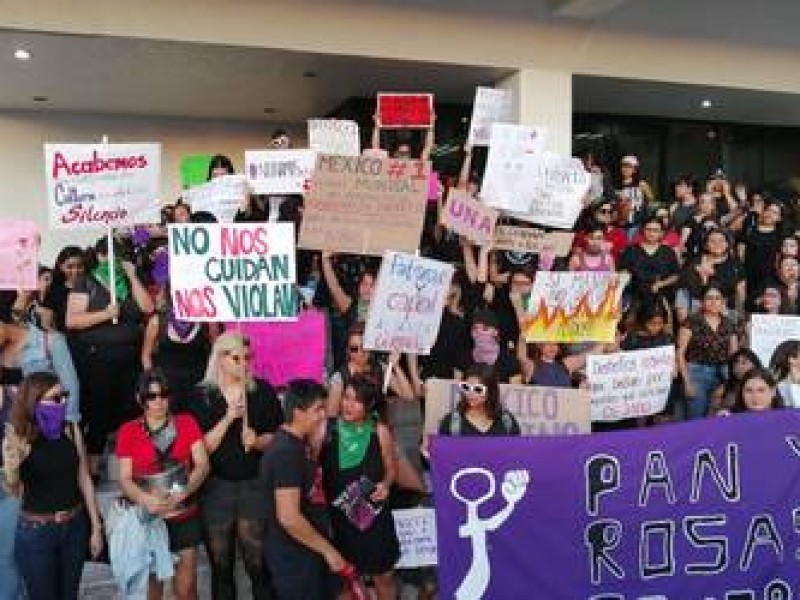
x: 183, y: 534
x: 223, y: 502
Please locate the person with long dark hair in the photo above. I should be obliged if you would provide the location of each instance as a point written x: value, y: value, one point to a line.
x: 69, y: 268
x: 359, y: 468
x: 479, y: 411
x: 169, y: 448
x: 706, y: 342
x: 45, y: 461
x: 757, y: 393
x: 785, y: 364
x: 105, y: 337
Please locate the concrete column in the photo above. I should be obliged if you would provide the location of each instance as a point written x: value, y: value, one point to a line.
x: 544, y: 98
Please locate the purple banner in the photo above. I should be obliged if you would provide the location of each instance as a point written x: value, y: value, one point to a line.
x: 702, y: 510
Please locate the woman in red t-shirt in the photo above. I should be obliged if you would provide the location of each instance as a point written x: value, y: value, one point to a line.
x: 156, y: 443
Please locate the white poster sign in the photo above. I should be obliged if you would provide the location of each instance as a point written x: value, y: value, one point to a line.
x: 233, y: 272
x: 102, y: 185
x: 491, y: 106
x: 221, y: 196
x: 557, y: 187
x: 768, y: 332
x: 416, y: 531
x: 631, y: 384
x: 406, y: 308
x: 334, y: 136
x: 279, y: 171
x: 510, y: 166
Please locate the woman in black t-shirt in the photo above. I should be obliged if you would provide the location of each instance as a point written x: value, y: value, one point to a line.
x: 105, y: 338
x: 44, y: 458
x: 239, y: 416
x: 68, y: 269
x: 479, y: 411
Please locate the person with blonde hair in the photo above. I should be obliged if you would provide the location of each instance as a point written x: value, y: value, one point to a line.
x: 239, y: 416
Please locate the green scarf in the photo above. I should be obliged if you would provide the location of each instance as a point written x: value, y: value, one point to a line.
x: 102, y: 272
x: 353, y: 442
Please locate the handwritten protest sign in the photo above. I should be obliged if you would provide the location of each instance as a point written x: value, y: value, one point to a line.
x: 466, y: 216
x: 405, y: 110
x: 539, y: 410
x: 416, y: 531
x: 701, y: 509
x: 769, y: 332
x: 557, y: 188
x: 365, y: 205
x: 19, y: 255
x: 406, y: 308
x: 525, y: 239
x: 574, y: 307
x: 334, y: 136
x: 490, y: 106
x: 510, y: 166
x: 221, y: 196
x: 279, y: 171
x: 287, y: 350
x: 233, y: 272
x: 102, y: 185
x: 626, y: 385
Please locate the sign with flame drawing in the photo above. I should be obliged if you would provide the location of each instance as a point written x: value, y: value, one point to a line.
x: 574, y: 307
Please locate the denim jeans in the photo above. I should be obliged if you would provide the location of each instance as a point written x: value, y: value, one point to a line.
x: 9, y: 512
x: 50, y: 557
x: 704, y: 379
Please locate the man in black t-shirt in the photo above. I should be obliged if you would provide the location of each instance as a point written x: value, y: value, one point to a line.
x: 297, y: 550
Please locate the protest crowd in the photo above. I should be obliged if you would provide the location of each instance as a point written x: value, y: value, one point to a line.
x: 284, y: 424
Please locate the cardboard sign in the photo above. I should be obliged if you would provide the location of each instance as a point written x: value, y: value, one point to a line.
x: 233, y: 272
x: 286, y: 351
x: 464, y: 215
x: 406, y: 308
x: 768, y: 332
x: 490, y: 106
x: 510, y: 166
x: 19, y: 255
x: 574, y: 307
x: 701, y: 509
x: 525, y: 239
x: 558, y: 187
x: 631, y: 384
x: 222, y: 196
x: 365, y: 205
x: 102, y: 185
x: 405, y: 110
x: 334, y: 136
x: 279, y: 171
x: 538, y: 410
x: 416, y: 531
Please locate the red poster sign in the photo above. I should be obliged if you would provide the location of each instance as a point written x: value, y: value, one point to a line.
x: 405, y: 110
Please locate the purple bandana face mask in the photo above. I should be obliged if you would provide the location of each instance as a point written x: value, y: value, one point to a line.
x: 50, y: 419
x: 486, y: 349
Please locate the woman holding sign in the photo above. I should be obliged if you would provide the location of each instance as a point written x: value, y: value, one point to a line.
x: 104, y: 316
x: 238, y: 416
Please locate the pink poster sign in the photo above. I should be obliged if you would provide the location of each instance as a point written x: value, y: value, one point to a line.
x: 283, y: 351
x: 19, y: 255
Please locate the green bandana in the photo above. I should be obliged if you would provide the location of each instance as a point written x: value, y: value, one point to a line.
x: 353, y: 442
x: 102, y: 273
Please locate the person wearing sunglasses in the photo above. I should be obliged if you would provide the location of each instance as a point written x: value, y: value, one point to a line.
x: 601, y: 214
x: 45, y: 462
x: 162, y: 464
x: 479, y: 410
x: 239, y: 416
